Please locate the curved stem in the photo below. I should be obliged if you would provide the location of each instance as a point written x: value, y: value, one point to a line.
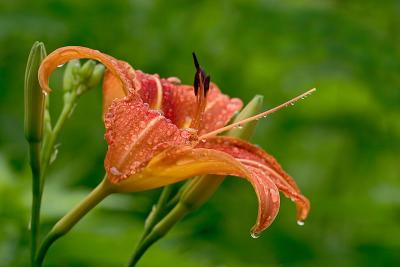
x: 48, y: 146
x: 157, y: 211
x: 157, y: 232
x: 72, y: 217
x: 34, y: 157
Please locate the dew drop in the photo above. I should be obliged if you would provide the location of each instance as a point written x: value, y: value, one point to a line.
x: 115, y: 171
x: 240, y: 126
x: 300, y: 222
x: 265, y: 116
x: 59, y: 66
x: 292, y: 104
x: 44, y: 92
x: 274, y: 195
x: 254, y: 235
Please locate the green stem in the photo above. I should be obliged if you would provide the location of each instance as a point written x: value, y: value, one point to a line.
x: 73, y: 216
x: 156, y: 212
x: 48, y: 146
x: 34, y: 158
x: 158, y: 231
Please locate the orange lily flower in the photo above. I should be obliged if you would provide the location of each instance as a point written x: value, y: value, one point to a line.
x: 160, y: 132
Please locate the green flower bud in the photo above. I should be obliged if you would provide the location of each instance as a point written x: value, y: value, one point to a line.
x: 87, y: 69
x: 70, y: 79
x: 200, y: 189
x: 34, y: 97
x: 96, y: 76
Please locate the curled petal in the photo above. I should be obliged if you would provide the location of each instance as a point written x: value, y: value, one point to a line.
x: 64, y: 54
x: 135, y: 134
x: 180, y: 163
x: 112, y: 90
x: 255, y: 158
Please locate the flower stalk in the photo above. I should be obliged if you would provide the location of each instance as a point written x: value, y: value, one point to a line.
x: 194, y: 193
x: 33, y: 127
x: 104, y: 189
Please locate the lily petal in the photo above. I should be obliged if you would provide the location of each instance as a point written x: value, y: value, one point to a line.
x: 64, y: 54
x: 135, y: 133
x: 180, y: 163
x: 179, y: 102
x: 255, y: 158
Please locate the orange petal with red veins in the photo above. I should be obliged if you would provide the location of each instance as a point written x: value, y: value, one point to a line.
x: 135, y: 134
x: 179, y: 102
x: 255, y: 158
x: 64, y: 54
x: 180, y: 163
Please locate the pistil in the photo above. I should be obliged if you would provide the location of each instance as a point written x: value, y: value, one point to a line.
x: 258, y: 116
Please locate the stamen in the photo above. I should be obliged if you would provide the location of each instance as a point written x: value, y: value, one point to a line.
x: 158, y: 103
x: 258, y: 116
x: 201, y: 85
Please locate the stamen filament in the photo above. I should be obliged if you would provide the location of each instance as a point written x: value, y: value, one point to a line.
x: 158, y: 103
x: 258, y: 116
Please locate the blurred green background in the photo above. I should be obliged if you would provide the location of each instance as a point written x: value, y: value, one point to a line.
x: 342, y: 144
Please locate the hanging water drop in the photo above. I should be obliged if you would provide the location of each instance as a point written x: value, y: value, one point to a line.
x: 254, y: 235
x: 300, y: 222
x: 292, y: 104
x: 59, y: 66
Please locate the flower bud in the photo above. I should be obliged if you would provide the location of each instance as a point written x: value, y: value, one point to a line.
x: 200, y: 189
x: 70, y: 75
x: 96, y: 76
x: 87, y: 69
x: 34, y: 97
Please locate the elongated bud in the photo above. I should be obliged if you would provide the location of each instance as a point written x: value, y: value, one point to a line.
x: 70, y: 75
x: 200, y: 189
x: 96, y: 76
x: 87, y: 69
x: 34, y: 97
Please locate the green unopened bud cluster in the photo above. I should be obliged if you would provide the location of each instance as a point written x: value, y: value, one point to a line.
x: 80, y: 78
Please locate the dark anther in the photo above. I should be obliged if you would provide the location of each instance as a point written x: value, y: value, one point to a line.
x: 196, y: 63
x: 200, y: 75
x: 206, y: 84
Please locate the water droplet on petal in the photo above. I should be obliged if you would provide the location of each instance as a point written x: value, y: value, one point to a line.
x: 300, y: 222
x: 254, y: 235
x: 115, y: 171
x: 274, y: 195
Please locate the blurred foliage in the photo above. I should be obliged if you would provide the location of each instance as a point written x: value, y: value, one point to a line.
x: 341, y: 145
